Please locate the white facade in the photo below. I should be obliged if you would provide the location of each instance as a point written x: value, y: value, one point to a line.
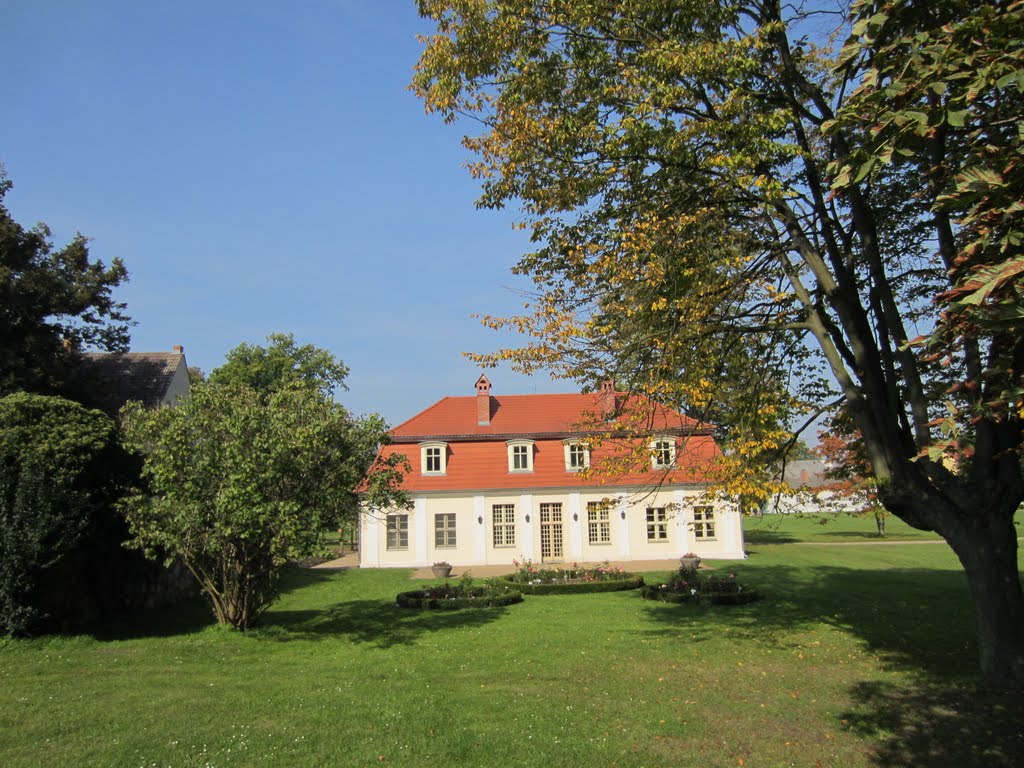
x: 551, y: 525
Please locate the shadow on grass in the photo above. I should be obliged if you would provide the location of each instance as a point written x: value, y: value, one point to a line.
x: 914, y: 618
x: 181, y: 618
x: 377, y: 622
x: 193, y: 614
x: 767, y: 536
x: 936, y: 728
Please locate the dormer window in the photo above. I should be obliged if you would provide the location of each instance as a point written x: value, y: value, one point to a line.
x: 663, y: 452
x: 434, y: 458
x: 520, y: 456
x: 577, y: 456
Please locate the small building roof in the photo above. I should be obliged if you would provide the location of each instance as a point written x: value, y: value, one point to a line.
x: 109, y: 380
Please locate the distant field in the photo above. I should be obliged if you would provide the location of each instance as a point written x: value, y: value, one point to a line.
x: 858, y: 656
x: 842, y: 527
x: 827, y: 527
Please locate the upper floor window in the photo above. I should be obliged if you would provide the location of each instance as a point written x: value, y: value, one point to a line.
x: 663, y: 452
x: 520, y: 456
x: 577, y: 456
x: 434, y: 458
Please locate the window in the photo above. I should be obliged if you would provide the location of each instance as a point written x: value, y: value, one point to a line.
x: 663, y: 452
x: 577, y: 456
x: 503, y: 519
x: 703, y: 523
x: 434, y: 458
x: 444, y: 530
x: 520, y: 456
x: 657, y: 524
x: 398, y: 532
x: 599, y: 523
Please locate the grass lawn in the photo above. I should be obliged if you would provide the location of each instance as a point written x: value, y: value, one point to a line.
x: 858, y: 656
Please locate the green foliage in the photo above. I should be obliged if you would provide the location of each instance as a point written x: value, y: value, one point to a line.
x: 241, y: 482
x: 55, y: 475
x: 55, y: 302
x: 280, y: 364
x: 464, y: 593
x: 687, y: 585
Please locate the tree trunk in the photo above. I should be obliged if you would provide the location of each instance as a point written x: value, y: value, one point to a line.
x: 987, y: 548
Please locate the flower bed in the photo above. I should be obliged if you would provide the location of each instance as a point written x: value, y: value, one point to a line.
x: 686, y: 586
x: 534, y: 580
x: 462, y: 594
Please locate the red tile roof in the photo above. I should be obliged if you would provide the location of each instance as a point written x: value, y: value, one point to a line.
x: 477, y: 455
x: 525, y: 415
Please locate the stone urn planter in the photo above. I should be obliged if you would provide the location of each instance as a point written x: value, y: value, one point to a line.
x: 441, y: 570
x: 689, y: 562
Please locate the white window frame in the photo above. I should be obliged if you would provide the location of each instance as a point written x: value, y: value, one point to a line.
x: 503, y: 525
x: 397, y: 531
x: 599, y: 523
x: 660, y: 446
x: 704, y: 523
x: 657, y: 525
x: 445, y: 530
x: 574, y: 449
x: 520, y: 449
x: 433, y: 450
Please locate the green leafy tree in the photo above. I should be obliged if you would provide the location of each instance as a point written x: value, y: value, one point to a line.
x: 282, y: 363
x: 54, y: 303
x: 712, y: 188
x: 241, y: 483
x: 56, y: 476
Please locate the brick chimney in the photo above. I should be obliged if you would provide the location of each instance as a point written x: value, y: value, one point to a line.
x: 606, y: 399
x: 178, y: 349
x: 483, y: 402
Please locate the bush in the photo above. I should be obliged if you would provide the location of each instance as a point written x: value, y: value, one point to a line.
x: 453, y: 596
x: 688, y: 586
x: 578, y: 579
x: 58, y: 479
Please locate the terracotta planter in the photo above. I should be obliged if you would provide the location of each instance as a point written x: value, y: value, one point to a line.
x: 441, y: 571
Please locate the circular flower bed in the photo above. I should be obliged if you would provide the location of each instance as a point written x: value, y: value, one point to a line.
x: 686, y: 586
x: 534, y: 580
x: 453, y: 597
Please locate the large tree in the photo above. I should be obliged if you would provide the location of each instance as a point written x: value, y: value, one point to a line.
x: 53, y: 303
x: 733, y: 216
x: 242, y: 480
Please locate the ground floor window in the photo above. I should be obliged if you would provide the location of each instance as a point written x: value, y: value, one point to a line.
x: 599, y: 524
x: 503, y: 519
x: 398, y: 531
x: 657, y: 524
x: 703, y: 523
x: 444, y: 530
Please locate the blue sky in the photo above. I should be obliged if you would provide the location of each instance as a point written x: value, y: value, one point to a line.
x: 261, y: 166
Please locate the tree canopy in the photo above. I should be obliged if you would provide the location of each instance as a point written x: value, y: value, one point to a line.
x: 735, y: 217
x: 54, y: 303
x: 282, y: 363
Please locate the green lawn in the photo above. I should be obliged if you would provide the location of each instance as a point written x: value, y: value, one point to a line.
x: 858, y: 656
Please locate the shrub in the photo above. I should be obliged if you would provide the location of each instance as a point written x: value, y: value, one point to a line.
x: 463, y: 593
x: 575, y: 580
x: 688, y: 586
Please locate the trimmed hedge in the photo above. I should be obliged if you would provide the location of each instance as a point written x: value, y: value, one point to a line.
x: 478, y: 597
x: 632, y: 581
